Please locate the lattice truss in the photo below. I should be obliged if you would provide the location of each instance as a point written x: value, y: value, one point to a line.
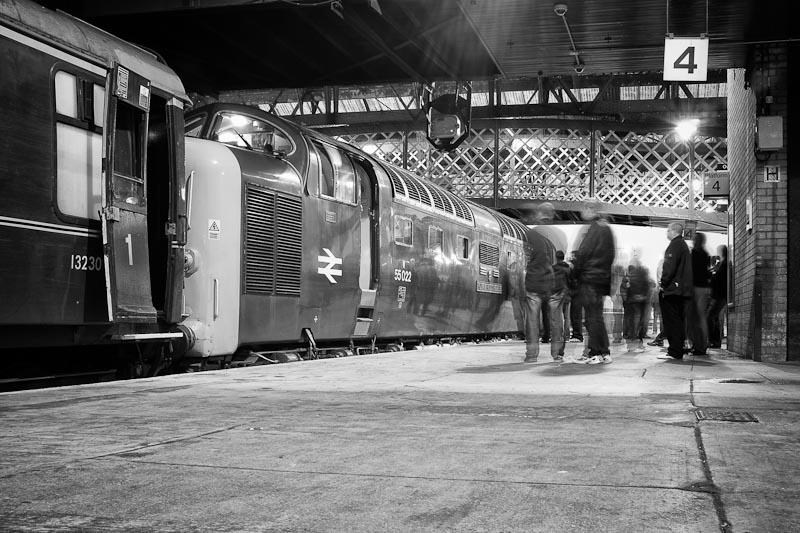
x: 554, y: 164
x: 655, y: 169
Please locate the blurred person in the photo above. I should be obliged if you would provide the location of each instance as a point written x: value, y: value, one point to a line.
x: 658, y: 300
x: 618, y: 273
x: 677, y: 287
x: 719, y: 298
x: 593, y: 262
x: 576, y: 308
x: 559, y: 313
x: 697, y: 319
x: 539, y: 283
x: 637, y: 296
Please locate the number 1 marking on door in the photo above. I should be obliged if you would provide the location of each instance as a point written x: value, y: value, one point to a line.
x: 129, y: 240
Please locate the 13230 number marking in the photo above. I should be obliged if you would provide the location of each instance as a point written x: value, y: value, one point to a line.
x: 85, y: 262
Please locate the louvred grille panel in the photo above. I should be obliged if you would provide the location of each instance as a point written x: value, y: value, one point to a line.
x: 273, y: 243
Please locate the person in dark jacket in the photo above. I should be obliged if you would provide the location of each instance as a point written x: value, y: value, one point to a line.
x: 677, y: 287
x: 592, y: 267
x: 539, y: 285
x: 576, y: 309
x: 719, y: 298
x: 560, y: 326
x: 698, y: 311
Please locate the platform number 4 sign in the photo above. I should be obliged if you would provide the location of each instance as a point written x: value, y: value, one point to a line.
x: 685, y: 59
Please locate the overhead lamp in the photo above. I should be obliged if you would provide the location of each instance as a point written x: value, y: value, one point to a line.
x: 561, y: 11
x: 687, y: 128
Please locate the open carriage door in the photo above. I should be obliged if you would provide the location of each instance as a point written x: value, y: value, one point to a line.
x: 124, y: 211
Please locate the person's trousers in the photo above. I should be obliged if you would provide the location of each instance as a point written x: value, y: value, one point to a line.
x: 660, y: 323
x: 698, y: 319
x: 673, y: 310
x: 715, y: 322
x: 558, y: 330
x: 535, y: 302
x: 637, y: 323
x: 576, y: 316
x: 592, y: 301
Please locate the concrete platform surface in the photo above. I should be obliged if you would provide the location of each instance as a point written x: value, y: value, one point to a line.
x: 463, y: 438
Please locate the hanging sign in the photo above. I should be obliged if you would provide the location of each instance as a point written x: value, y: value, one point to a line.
x: 716, y: 184
x: 685, y: 59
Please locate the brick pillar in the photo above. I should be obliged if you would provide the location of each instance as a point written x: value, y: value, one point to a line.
x: 759, y: 257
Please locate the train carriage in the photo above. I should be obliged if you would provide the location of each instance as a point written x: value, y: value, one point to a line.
x: 299, y: 240
x: 91, y: 169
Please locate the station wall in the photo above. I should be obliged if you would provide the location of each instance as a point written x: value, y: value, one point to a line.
x: 758, y: 211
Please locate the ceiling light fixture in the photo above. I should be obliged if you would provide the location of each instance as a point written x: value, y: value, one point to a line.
x: 561, y: 11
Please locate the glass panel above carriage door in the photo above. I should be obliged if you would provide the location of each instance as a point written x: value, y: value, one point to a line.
x: 125, y: 202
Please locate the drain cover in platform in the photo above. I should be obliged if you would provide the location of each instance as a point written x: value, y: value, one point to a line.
x: 723, y: 415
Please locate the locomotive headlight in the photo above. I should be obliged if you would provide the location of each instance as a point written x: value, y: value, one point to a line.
x: 191, y: 261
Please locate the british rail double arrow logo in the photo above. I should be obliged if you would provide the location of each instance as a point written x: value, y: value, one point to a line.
x: 331, y: 261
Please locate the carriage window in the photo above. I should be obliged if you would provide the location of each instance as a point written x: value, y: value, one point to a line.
x: 337, y: 176
x: 79, y: 106
x: 128, y: 175
x: 66, y: 94
x: 99, y: 104
x: 435, y: 239
x: 78, y: 172
x: 249, y: 132
x: 403, y: 234
x: 463, y: 247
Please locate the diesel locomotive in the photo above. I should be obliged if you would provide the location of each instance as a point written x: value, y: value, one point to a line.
x: 225, y: 234
x: 296, y: 239
x: 92, y: 214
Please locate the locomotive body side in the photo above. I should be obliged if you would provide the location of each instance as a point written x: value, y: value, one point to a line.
x: 339, y: 249
x: 445, y: 267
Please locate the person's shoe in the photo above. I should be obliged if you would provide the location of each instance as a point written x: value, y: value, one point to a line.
x: 655, y: 342
x: 698, y: 352
x: 640, y: 349
x: 594, y: 360
x: 558, y: 359
x: 582, y: 360
x: 530, y: 359
x: 575, y: 339
x: 675, y: 356
x: 545, y: 340
x: 606, y: 358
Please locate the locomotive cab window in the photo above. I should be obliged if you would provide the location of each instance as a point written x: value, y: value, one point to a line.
x: 194, y: 125
x: 79, y: 105
x: 403, y: 231
x: 462, y: 247
x: 337, y: 179
x: 249, y: 132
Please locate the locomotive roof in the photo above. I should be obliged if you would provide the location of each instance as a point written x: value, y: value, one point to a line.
x: 406, y: 186
x: 92, y: 44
